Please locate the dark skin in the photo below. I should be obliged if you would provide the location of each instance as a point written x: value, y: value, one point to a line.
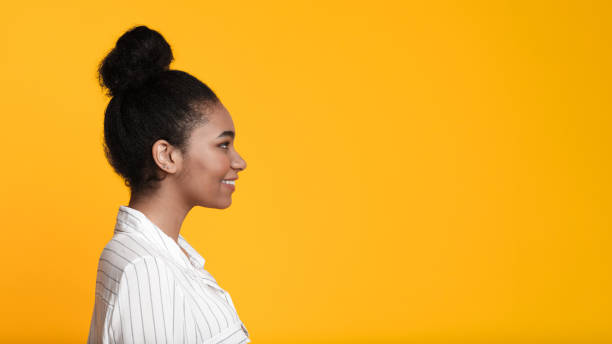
x: 193, y: 179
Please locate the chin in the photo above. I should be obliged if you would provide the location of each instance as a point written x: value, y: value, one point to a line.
x: 219, y: 205
x: 227, y: 205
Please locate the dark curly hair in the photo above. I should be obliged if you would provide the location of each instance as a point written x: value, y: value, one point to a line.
x: 148, y: 102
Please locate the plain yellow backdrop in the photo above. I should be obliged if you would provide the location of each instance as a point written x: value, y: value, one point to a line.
x: 418, y: 172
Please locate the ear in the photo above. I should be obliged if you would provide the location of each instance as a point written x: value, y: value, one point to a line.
x: 166, y: 156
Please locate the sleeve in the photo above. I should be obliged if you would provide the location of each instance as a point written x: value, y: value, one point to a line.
x: 145, y: 304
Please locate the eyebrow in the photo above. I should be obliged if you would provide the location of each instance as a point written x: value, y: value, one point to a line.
x: 227, y: 133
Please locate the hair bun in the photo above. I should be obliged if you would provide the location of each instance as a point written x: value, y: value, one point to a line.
x: 139, y: 54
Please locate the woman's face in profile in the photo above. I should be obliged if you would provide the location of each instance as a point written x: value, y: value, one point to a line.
x: 210, y: 159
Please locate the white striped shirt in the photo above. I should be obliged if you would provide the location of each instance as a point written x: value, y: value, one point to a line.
x: 148, y: 291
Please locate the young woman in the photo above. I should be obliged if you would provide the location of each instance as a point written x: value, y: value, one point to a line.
x: 170, y: 138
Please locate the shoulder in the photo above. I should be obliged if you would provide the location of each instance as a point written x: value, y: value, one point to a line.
x: 126, y: 256
x: 124, y: 250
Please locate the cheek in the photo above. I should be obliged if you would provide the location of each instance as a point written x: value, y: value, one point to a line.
x: 209, y: 167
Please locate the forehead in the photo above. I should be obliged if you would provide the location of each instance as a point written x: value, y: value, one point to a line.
x: 218, y: 121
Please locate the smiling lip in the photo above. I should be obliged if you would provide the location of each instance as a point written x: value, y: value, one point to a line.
x: 232, y: 187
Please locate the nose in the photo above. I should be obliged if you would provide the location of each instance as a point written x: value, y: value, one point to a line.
x: 239, y: 163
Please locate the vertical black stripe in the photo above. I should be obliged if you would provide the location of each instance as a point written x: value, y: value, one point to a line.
x: 127, y: 285
x: 140, y: 302
x: 197, y: 326
x: 161, y: 297
x: 151, y: 298
x: 120, y: 321
x: 173, y: 305
x: 110, y: 332
x: 184, y: 321
x: 195, y: 323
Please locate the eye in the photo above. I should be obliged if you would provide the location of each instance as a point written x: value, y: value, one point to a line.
x: 224, y: 143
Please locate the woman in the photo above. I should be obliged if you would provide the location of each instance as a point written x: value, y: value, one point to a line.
x: 170, y: 138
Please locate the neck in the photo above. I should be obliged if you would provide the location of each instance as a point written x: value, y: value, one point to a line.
x: 163, y: 209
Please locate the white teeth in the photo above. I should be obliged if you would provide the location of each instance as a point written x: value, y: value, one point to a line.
x: 233, y: 182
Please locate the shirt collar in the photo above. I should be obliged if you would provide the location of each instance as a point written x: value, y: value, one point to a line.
x: 132, y: 220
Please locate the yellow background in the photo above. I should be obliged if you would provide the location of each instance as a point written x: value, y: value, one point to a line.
x: 418, y: 172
